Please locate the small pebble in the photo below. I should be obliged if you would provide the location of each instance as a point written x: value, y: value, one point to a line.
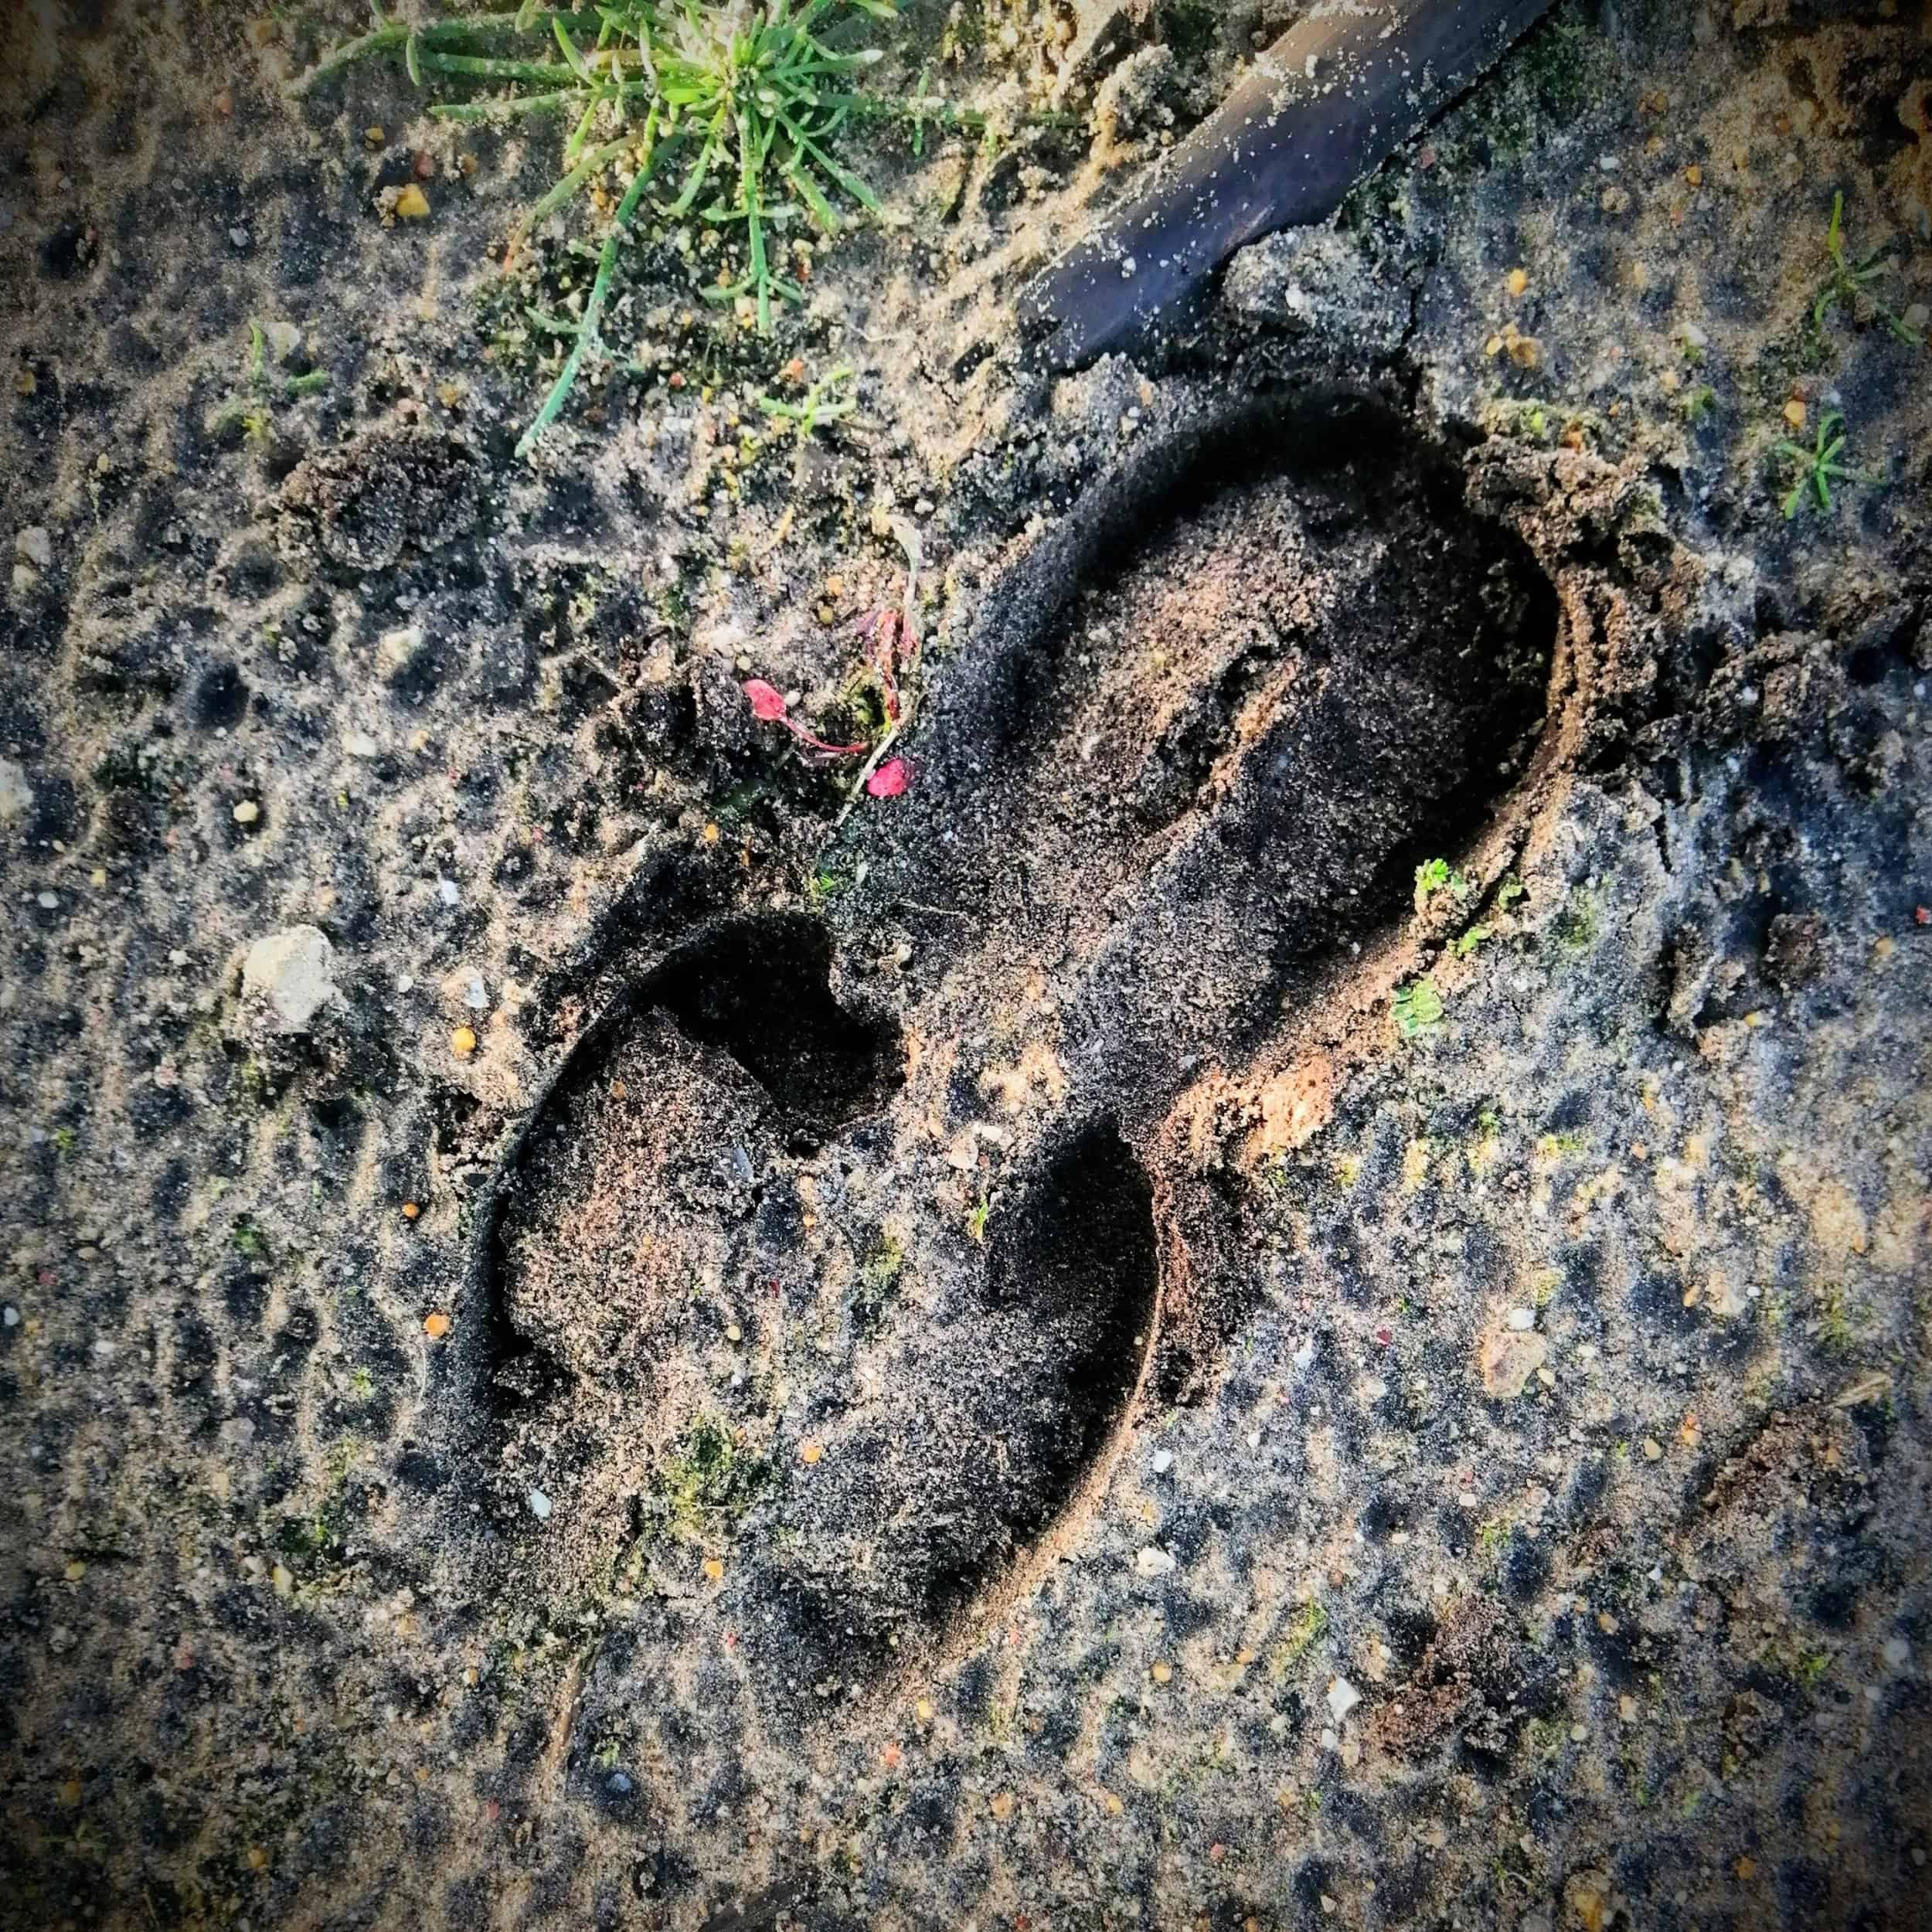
x: 618, y: 1784
x: 1521, y: 1319
x: 539, y: 1505
x: 247, y: 812
x: 1342, y: 1698
x: 1163, y: 1461
x: 290, y: 975
x: 1153, y: 1561
x: 16, y: 795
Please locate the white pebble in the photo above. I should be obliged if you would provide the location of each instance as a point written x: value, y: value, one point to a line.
x: 448, y: 891
x: 1898, y: 1652
x: 1342, y: 1697
x: 1153, y: 1561
x: 290, y: 975
x: 16, y: 795
x: 9, y: 1317
x: 1163, y: 1461
x: 539, y: 1505
x: 1522, y: 1319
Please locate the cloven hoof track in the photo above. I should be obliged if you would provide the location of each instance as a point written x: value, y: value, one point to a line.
x: 909, y: 1264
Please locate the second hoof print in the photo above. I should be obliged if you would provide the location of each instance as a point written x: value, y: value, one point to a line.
x: 824, y: 1279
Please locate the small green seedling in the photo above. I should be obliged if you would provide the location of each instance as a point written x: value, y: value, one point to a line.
x: 1470, y: 940
x: 1418, y: 1008
x: 1817, y: 467
x: 1436, y: 876
x: 821, y: 403
x: 250, y: 408
x: 976, y: 1220
x: 1847, y: 283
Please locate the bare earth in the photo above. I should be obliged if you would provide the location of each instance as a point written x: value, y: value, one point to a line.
x: 602, y: 1328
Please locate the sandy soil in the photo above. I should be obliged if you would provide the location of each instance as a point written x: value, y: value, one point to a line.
x: 604, y: 1327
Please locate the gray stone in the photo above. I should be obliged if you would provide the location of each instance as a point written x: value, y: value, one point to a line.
x: 288, y: 978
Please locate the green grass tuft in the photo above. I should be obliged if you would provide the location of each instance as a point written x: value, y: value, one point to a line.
x: 738, y: 106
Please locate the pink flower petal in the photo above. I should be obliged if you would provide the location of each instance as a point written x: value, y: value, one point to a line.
x: 890, y: 780
x: 768, y: 701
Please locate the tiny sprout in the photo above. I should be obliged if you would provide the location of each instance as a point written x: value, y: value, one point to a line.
x: 768, y: 705
x: 1848, y: 283
x: 1817, y: 467
x: 1418, y: 1008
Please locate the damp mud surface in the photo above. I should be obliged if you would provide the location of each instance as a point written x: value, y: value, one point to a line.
x: 1286, y: 1285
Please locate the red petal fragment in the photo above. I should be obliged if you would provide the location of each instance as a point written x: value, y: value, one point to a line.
x: 890, y: 780
x: 768, y: 701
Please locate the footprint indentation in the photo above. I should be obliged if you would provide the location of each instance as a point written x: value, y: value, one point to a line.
x: 1207, y: 730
